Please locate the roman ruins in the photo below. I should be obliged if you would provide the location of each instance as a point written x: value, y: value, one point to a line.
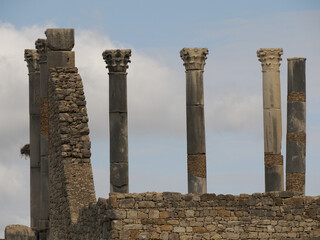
x: 273, y: 161
x: 194, y: 61
x: 117, y: 63
x: 296, y: 126
x: 63, y: 203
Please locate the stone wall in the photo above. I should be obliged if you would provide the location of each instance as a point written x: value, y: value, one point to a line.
x: 275, y: 215
x: 71, y: 179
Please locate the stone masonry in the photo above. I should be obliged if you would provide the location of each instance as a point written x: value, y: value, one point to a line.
x: 71, y: 179
x: 273, y: 215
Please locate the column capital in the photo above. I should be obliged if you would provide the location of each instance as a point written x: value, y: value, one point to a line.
x: 32, y: 58
x: 194, y: 58
x: 270, y: 58
x: 117, y: 60
x: 41, y: 46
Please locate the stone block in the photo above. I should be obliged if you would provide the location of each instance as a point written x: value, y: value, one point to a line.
x: 194, y: 88
x: 61, y: 59
x: 296, y: 117
x: 44, y: 145
x: 274, y: 178
x: 19, y: 232
x: 35, y: 140
x: 34, y: 93
x: 119, y: 174
x: 59, y: 39
x: 195, y: 130
x: 196, y: 184
x: 118, y: 137
x: 296, y: 75
x: 117, y: 93
x: 271, y: 90
x: 272, y: 130
x: 295, y: 160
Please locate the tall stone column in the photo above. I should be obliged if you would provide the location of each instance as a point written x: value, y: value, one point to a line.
x: 270, y: 60
x: 117, y: 63
x: 296, y: 125
x: 32, y: 58
x: 194, y: 61
x: 44, y: 134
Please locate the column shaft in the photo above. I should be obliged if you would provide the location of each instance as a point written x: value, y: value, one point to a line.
x: 117, y: 61
x: 296, y: 126
x: 194, y: 60
x: 32, y: 59
x: 44, y: 136
x: 273, y: 160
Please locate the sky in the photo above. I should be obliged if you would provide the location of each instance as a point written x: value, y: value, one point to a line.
x: 156, y: 31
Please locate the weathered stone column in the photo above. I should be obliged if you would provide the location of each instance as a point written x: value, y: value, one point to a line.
x: 117, y: 63
x: 270, y: 60
x: 32, y: 58
x: 194, y: 61
x: 296, y: 125
x: 44, y: 134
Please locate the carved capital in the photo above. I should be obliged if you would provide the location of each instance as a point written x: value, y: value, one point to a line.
x: 117, y: 60
x: 270, y: 58
x: 41, y: 46
x: 32, y: 58
x: 194, y: 58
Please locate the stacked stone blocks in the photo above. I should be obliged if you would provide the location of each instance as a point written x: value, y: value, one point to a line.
x: 273, y: 215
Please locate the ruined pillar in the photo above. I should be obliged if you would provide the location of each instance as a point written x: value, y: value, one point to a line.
x: 32, y: 58
x: 296, y: 125
x: 273, y: 161
x: 194, y: 61
x: 44, y: 134
x: 117, y: 63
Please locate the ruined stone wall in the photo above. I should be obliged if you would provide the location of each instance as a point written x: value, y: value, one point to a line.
x: 71, y: 179
x: 277, y: 215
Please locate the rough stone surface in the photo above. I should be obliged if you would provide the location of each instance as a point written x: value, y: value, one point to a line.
x: 60, y: 39
x: 274, y: 215
x: 71, y: 180
x: 19, y: 232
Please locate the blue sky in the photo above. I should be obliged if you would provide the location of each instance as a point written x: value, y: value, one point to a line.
x: 156, y: 31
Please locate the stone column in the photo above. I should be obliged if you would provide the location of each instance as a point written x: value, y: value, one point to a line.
x: 194, y: 61
x: 117, y: 63
x: 270, y: 60
x: 44, y: 134
x: 32, y: 58
x: 296, y: 125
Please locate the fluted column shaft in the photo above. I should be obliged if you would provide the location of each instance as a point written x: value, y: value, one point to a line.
x: 32, y: 58
x: 296, y: 125
x: 117, y: 63
x: 270, y: 60
x: 194, y: 61
x: 44, y: 134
